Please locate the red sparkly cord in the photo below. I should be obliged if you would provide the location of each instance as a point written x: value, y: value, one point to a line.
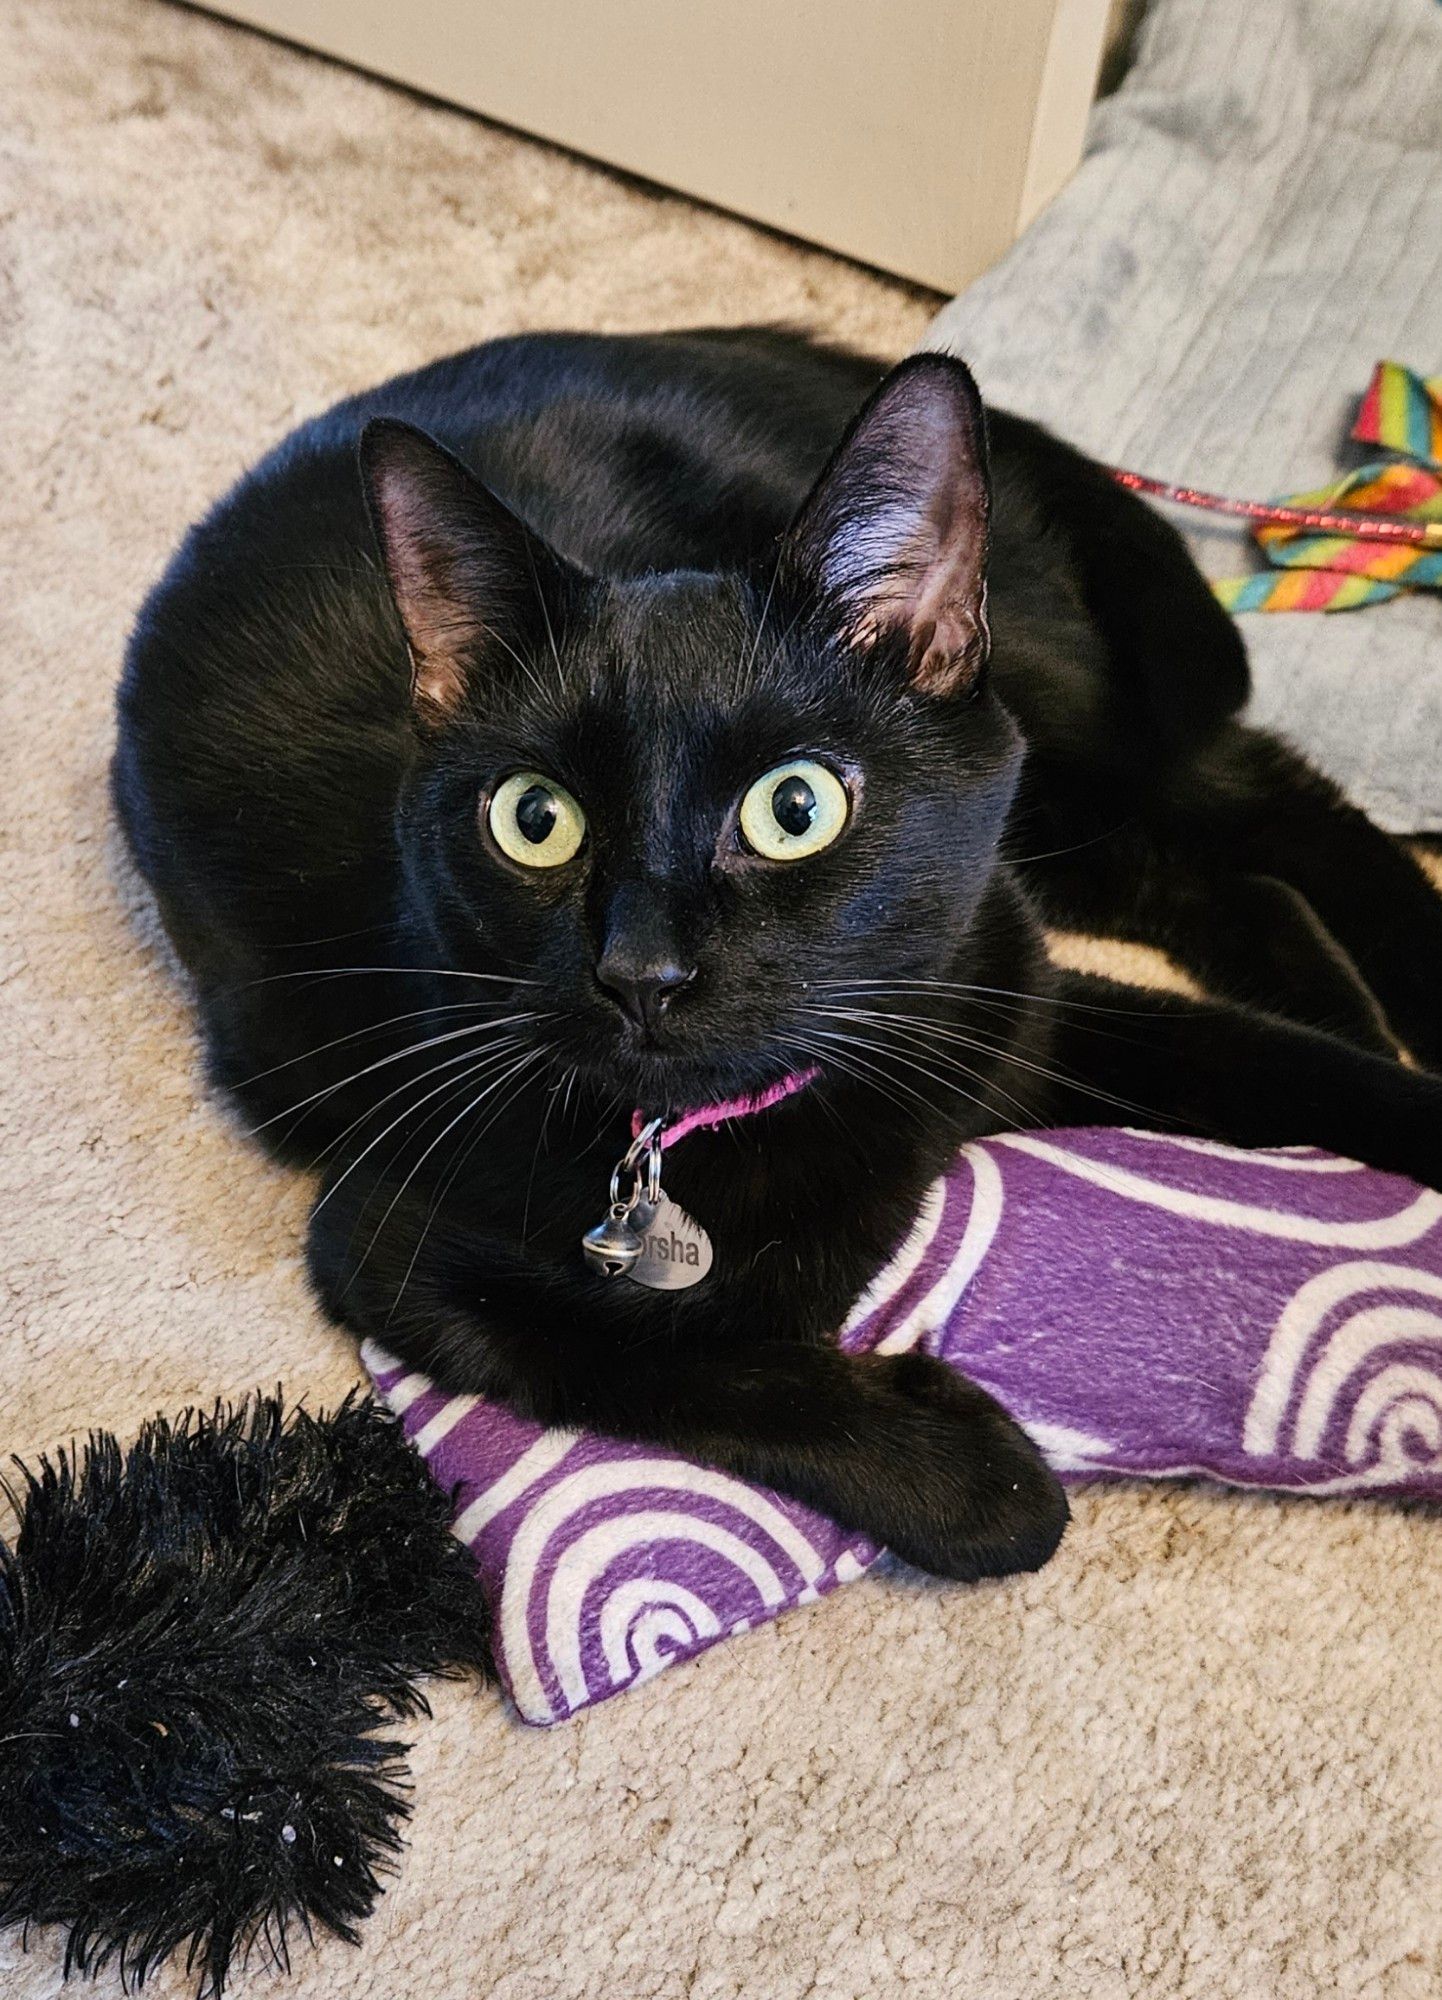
x: 1321, y: 520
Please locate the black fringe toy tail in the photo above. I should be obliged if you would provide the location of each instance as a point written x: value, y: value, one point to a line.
x: 203, y: 1640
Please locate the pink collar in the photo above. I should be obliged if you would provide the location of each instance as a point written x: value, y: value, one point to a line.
x: 734, y: 1107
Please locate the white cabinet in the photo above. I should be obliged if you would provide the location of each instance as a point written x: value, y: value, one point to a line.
x: 917, y: 135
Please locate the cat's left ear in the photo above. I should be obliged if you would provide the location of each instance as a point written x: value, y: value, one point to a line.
x: 894, y: 536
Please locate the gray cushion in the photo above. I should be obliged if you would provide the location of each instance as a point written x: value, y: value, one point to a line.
x: 1258, y: 219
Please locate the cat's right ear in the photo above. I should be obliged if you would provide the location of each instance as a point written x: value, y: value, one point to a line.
x: 470, y: 580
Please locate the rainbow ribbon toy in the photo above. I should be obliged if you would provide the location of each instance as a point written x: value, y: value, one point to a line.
x: 1401, y: 412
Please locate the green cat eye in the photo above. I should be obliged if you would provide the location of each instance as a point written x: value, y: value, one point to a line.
x: 794, y: 811
x: 535, y: 821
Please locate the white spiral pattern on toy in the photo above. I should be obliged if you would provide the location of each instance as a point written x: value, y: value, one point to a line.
x: 545, y: 1620
x: 983, y: 1219
x: 1288, y: 1159
x: 1384, y: 1232
x: 1310, y: 1388
x: 891, y: 1277
x: 1321, y: 1366
x: 645, y: 1621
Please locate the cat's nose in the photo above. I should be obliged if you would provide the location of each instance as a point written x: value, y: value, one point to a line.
x: 641, y: 964
x: 644, y: 989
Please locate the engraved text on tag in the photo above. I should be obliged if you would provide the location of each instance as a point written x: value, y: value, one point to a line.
x: 675, y: 1249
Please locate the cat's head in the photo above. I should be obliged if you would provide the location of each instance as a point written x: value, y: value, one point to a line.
x: 692, y: 808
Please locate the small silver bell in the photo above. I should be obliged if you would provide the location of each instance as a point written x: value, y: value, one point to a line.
x: 613, y: 1246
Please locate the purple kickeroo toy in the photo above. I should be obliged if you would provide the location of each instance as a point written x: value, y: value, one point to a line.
x: 1143, y: 1304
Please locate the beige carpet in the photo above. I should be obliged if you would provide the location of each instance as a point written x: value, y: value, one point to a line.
x: 1197, y: 1759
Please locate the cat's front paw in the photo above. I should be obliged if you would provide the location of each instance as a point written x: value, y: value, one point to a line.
x: 967, y: 1494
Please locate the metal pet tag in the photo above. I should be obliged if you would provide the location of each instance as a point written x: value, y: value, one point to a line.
x: 645, y: 1236
x: 675, y: 1249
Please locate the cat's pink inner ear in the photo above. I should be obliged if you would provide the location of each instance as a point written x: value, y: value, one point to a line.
x: 896, y: 532
x: 419, y: 504
x: 931, y: 586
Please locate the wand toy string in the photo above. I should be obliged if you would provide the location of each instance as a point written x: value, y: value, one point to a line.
x: 1320, y: 520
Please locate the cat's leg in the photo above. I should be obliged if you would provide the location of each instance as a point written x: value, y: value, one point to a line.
x: 1371, y: 894
x: 1251, y: 871
x: 1247, y: 938
x: 897, y: 1447
x: 1171, y: 758
x: 1235, y: 1074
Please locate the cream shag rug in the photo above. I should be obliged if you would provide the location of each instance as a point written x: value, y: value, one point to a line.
x: 1199, y: 1757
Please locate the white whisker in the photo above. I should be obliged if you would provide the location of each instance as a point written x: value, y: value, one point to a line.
x: 321, y: 973
x: 546, y: 614
x: 472, y: 1028
x: 823, y: 1049
x: 926, y: 1030
x: 409, y: 1112
x: 512, y: 1075
x: 895, y: 987
x: 745, y: 674
x: 359, y: 1034
x: 935, y: 1077
x: 496, y: 1053
x: 527, y: 1058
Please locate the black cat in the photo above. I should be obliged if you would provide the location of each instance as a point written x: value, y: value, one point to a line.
x: 693, y: 763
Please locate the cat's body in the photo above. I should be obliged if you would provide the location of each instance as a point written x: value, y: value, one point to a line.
x: 461, y: 1040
